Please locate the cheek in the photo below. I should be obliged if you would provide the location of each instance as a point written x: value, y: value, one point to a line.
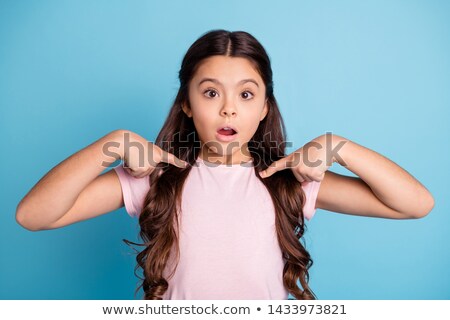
x: 251, y: 125
x: 252, y: 128
x: 203, y: 124
x: 252, y: 118
x: 199, y: 118
x: 202, y: 119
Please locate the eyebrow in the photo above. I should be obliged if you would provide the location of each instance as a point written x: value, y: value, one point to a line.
x: 218, y: 82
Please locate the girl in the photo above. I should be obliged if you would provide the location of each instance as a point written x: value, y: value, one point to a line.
x: 221, y: 206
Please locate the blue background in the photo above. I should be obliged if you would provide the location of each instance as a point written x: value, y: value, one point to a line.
x: 376, y: 72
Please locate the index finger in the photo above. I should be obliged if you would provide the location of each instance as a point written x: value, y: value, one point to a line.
x: 276, y: 166
x: 172, y: 159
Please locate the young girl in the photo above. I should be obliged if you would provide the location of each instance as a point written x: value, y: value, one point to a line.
x: 221, y: 206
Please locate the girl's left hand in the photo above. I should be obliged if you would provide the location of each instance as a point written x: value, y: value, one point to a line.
x: 308, y: 163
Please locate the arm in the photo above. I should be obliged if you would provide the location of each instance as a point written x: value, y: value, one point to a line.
x: 74, y: 190
x: 382, y: 189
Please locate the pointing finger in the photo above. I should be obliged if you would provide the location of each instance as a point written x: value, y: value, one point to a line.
x: 275, y: 167
x: 298, y: 176
x: 170, y: 158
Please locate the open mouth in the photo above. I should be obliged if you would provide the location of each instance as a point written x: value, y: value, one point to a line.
x: 226, y: 134
x: 227, y: 131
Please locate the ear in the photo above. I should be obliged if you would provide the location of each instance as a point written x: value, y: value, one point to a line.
x: 265, y: 111
x: 186, y: 110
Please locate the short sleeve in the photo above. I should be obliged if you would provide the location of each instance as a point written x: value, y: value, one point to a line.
x: 134, y: 191
x: 311, y: 189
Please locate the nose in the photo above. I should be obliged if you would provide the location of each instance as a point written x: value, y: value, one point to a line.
x: 228, y: 109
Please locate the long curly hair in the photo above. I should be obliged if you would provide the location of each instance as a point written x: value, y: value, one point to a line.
x: 158, y: 220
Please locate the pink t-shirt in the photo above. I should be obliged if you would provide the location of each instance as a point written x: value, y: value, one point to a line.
x: 228, y: 243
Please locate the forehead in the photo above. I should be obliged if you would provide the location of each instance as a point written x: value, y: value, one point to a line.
x: 227, y: 69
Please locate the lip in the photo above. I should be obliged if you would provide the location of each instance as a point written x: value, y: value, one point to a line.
x: 225, y: 138
x: 228, y: 126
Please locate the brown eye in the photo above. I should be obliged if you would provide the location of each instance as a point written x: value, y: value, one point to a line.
x: 247, y: 95
x: 210, y: 93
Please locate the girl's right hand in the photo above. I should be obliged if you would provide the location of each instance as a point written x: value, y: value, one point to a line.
x: 140, y: 156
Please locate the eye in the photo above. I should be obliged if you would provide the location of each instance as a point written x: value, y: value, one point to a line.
x: 210, y: 93
x: 247, y: 95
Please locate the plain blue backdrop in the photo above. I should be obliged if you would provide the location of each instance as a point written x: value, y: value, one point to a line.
x: 376, y: 72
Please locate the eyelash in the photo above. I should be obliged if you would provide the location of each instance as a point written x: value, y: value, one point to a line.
x: 208, y: 90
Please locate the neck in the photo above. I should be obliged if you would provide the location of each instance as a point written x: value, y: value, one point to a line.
x: 237, y: 157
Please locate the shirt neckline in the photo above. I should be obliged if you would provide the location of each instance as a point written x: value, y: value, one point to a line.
x: 216, y: 165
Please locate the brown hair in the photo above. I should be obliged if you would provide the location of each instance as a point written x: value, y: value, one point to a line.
x: 159, y: 218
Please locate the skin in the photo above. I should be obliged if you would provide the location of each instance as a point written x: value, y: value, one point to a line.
x: 226, y: 100
x: 382, y: 189
x: 76, y: 189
